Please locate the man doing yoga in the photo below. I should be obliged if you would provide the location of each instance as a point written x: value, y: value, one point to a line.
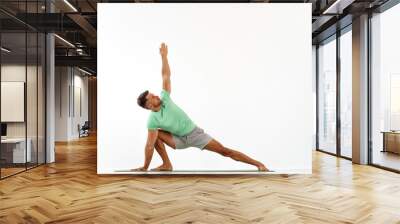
x: 169, y: 124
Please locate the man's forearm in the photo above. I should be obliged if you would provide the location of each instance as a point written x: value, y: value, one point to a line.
x: 165, y: 67
x: 148, y: 155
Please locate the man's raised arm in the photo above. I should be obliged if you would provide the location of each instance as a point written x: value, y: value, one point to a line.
x: 166, y: 73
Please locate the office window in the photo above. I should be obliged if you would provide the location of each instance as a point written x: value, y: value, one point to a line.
x: 314, y: 89
x: 346, y: 94
x: 385, y: 91
x: 327, y: 96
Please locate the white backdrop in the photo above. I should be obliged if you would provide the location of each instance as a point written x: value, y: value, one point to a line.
x: 242, y: 72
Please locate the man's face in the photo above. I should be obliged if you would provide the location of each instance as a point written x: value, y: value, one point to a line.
x: 152, y: 101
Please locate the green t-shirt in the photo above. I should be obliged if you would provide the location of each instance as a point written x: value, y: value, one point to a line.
x: 170, y: 118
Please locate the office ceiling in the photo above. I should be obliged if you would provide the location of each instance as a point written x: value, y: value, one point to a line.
x: 76, y: 21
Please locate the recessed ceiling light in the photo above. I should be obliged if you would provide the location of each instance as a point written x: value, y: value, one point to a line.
x: 337, y: 7
x: 84, y: 71
x: 70, y: 5
x: 64, y: 40
x: 5, y: 50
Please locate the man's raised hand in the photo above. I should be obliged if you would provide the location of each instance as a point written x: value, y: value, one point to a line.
x: 163, y: 50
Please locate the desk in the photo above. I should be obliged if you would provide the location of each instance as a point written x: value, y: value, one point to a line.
x: 391, y: 141
x: 13, y: 150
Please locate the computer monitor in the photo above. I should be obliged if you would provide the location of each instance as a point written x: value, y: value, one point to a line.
x: 3, y: 129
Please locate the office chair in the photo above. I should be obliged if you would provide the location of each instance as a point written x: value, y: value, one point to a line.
x: 84, y: 130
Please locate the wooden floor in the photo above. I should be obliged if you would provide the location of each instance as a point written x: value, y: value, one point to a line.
x: 5, y: 172
x: 387, y: 159
x: 70, y: 191
x: 10, y: 171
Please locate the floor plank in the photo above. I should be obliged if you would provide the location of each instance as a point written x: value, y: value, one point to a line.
x: 70, y: 191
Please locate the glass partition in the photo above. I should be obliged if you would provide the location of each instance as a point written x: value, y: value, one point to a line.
x: 14, y: 153
x: 327, y: 96
x: 22, y: 101
x: 32, y: 95
x: 41, y: 87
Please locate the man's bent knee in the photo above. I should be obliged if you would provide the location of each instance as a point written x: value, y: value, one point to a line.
x: 163, y: 139
x: 159, y: 141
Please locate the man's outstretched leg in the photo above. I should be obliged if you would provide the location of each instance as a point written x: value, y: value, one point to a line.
x: 217, y: 147
x: 160, y: 148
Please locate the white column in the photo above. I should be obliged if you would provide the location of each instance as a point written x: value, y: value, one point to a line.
x: 50, y: 93
x: 360, y: 90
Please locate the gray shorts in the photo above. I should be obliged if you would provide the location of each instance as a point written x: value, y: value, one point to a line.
x: 196, y: 138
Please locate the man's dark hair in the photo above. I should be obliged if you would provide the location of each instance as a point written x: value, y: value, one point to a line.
x: 141, y: 100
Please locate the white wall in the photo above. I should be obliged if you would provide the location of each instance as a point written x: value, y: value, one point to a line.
x: 68, y: 82
x: 244, y: 76
x: 81, y: 82
x: 61, y: 103
x: 12, y: 73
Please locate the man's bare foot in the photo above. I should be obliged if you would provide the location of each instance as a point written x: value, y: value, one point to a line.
x: 139, y: 169
x: 163, y: 167
x: 261, y: 167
